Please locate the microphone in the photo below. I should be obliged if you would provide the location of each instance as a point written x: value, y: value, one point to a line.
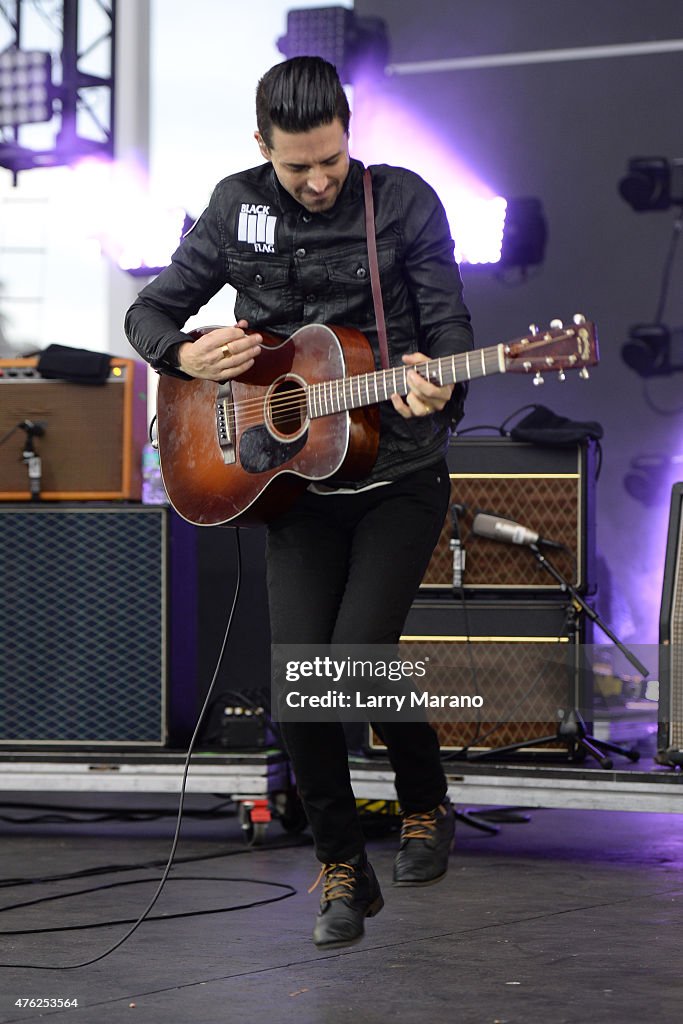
x: 456, y: 547
x: 35, y: 429
x: 508, y: 531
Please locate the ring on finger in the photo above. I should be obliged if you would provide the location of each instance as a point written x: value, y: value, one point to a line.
x: 226, y: 349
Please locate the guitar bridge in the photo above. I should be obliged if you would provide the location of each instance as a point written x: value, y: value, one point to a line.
x: 225, y: 423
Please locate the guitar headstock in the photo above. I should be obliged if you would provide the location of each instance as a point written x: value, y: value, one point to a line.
x: 557, y: 348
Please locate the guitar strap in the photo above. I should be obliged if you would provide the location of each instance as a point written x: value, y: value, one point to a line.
x: 374, y: 269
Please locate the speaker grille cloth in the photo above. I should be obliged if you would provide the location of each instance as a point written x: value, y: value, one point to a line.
x: 548, y: 505
x: 529, y: 674
x: 86, y: 420
x: 676, y: 693
x: 82, y: 655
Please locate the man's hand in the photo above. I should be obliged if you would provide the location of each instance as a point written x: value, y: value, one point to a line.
x: 221, y: 354
x: 423, y: 398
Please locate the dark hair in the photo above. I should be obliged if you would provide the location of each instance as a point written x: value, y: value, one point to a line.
x: 300, y: 94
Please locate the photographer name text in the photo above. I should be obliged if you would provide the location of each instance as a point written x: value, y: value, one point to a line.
x: 370, y: 701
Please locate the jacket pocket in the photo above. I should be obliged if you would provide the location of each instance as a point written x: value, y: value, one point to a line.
x: 352, y: 268
x: 350, y: 289
x: 262, y: 288
x: 254, y: 274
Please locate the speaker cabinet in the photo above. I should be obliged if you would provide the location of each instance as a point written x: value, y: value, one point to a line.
x: 524, y: 655
x: 94, y: 434
x: 83, y: 631
x: 548, y: 490
x: 670, y: 732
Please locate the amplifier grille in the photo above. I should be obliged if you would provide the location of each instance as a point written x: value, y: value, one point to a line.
x: 523, y: 656
x: 671, y: 632
x: 83, y: 652
x: 547, y: 490
x: 93, y: 437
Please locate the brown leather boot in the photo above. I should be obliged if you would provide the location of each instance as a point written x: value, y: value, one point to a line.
x: 351, y: 893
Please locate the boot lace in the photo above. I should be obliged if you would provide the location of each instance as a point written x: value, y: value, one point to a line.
x: 338, y: 881
x: 421, y: 825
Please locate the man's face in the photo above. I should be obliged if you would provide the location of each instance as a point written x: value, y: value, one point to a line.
x: 312, y: 166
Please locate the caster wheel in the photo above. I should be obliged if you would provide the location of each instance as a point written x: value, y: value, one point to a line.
x: 254, y: 820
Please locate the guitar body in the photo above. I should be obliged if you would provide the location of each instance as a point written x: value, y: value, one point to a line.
x: 240, y: 453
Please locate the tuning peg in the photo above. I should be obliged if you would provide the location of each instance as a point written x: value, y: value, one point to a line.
x: 584, y: 374
x: 556, y: 325
x: 561, y: 375
x: 579, y: 319
x: 538, y: 379
x: 533, y: 328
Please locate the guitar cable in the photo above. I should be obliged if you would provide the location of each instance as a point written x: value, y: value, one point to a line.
x: 181, y: 802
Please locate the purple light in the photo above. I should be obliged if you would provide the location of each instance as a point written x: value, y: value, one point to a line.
x: 133, y: 229
x: 390, y: 134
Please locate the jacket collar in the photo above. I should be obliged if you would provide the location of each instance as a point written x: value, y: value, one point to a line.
x: 351, y: 191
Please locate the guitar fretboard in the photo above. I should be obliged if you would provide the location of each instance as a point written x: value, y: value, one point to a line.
x: 344, y: 393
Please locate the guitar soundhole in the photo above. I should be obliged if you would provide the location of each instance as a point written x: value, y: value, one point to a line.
x: 287, y: 408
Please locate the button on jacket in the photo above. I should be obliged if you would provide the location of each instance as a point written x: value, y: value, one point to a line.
x: 291, y: 267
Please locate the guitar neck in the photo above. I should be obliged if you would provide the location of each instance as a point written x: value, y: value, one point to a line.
x: 344, y: 393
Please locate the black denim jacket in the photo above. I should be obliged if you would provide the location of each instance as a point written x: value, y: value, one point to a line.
x: 290, y: 267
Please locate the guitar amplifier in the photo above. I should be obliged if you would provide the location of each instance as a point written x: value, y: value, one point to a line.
x: 548, y: 490
x: 670, y: 732
x: 522, y: 656
x: 92, y: 445
x: 83, y: 625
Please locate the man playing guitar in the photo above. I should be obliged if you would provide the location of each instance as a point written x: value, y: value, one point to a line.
x: 347, y: 552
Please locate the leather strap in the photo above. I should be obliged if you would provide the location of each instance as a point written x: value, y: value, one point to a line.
x: 374, y: 269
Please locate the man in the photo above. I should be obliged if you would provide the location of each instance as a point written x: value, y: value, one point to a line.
x: 345, y: 561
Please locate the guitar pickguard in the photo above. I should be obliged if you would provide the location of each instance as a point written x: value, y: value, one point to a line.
x: 260, y: 452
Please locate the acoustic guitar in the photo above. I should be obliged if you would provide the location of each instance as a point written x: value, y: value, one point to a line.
x: 239, y: 453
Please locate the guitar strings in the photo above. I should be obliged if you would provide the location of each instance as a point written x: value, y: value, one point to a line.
x: 329, y: 394
x: 331, y: 390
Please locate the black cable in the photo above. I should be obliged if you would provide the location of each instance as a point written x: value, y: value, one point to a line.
x: 651, y: 404
x: 181, y: 801
x: 9, y: 434
x: 290, y: 891
x: 57, y: 814
x: 479, y: 426
x: 668, y: 266
x: 110, y: 869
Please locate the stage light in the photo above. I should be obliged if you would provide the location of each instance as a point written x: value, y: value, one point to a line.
x: 525, y: 233
x: 149, y: 250
x: 26, y: 91
x: 353, y: 44
x: 653, y: 183
x: 134, y: 229
x: 478, y: 225
x: 649, y: 350
x: 506, y: 233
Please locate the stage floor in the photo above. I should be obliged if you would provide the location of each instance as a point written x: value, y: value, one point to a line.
x: 571, y: 914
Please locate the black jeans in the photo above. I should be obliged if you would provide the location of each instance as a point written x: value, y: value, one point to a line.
x: 345, y: 568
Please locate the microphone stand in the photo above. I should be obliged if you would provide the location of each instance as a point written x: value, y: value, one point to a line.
x: 31, y: 458
x: 567, y: 588
x: 572, y: 728
x: 479, y: 819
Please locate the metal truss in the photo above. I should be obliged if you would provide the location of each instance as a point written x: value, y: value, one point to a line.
x: 81, y: 35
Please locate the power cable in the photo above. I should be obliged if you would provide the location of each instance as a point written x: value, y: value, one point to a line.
x: 179, y: 818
